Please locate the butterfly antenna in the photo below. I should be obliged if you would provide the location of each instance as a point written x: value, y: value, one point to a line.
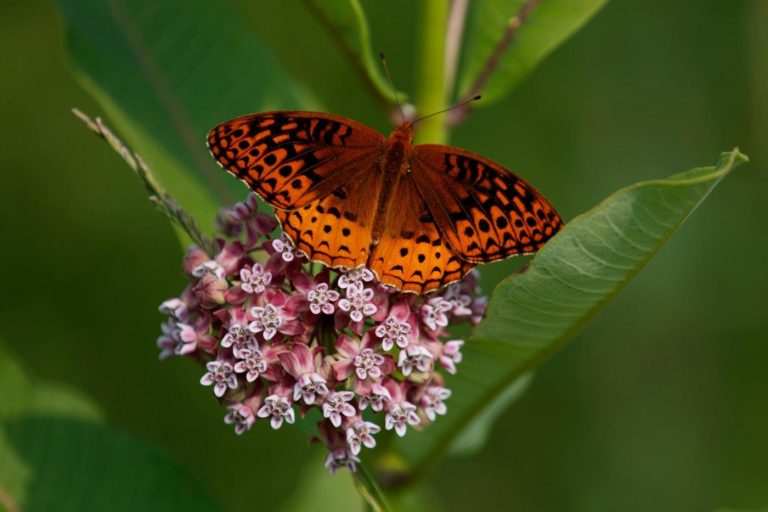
x: 470, y: 100
x: 392, y: 85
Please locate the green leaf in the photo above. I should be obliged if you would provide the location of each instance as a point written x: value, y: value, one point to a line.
x: 55, y: 455
x: 549, y: 24
x: 345, y: 22
x: 21, y: 397
x: 474, y: 436
x: 165, y: 73
x: 535, y: 312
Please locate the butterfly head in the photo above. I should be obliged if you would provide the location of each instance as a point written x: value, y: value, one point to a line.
x: 403, y: 133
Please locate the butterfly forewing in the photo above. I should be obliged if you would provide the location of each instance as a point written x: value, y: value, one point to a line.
x: 485, y: 212
x: 291, y: 158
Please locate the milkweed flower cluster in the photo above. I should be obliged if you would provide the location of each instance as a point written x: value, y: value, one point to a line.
x: 277, y: 339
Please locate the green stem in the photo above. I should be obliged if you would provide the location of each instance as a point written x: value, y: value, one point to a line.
x: 369, y: 489
x: 430, y: 72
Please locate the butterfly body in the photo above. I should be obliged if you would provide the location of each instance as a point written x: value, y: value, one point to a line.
x: 394, y: 166
x: 419, y: 216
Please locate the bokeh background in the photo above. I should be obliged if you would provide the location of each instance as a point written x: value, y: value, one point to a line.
x: 660, y: 404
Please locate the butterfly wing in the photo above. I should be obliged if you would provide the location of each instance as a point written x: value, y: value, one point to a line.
x: 411, y: 254
x: 485, y: 212
x: 292, y: 158
x: 336, y: 229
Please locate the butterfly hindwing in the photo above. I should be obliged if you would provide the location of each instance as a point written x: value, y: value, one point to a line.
x: 336, y: 229
x: 485, y: 212
x: 412, y: 254
x: 291, y: 158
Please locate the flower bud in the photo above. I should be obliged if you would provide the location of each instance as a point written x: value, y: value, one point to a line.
x: 211, y: 291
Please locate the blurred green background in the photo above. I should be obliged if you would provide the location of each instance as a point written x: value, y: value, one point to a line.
x: 660, y: 404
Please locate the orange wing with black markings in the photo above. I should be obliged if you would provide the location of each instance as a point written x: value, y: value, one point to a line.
x: 484, y: 212
x: 336, y: 229
x: 291, y: 158
x: 412, y: 255
x: 420, y: 217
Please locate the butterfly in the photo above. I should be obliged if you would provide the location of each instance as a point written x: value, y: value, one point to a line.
x: 418, y: 216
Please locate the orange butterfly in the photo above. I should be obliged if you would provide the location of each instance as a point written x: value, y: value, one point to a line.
x: 420, y: 217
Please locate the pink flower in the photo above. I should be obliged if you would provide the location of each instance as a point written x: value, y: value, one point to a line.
x: 254, y: 279
x: 433, y: 313
x: 209, y: 267
x: 194, y: 258
x: 267, y: 321
x: 432, y: 401
x: 285, y: 247
x: 278, y: 314
x: 230, y: 221
x: 321, y: 299
x: 460, y: 301
x: 358, y: 356
x: 279, y: 409
x: 341, y: 458
x: 400, y: 412
x: 299, y: 363
x: 361, y: 433
x: 169, y: 342
x: 252, y: 362
x: 221, y: 374
x: 357, y: 304
x: 400, y: 416
x: 211, y: 290
x: 175, y: 308
x: 355, y: 277
x: 230, y: 256
x: 399, y: 328
x: 241, y: 416
x: 337, y: 405
x: 377, y: 396
x: 451, y: 355
x: 414, y: 356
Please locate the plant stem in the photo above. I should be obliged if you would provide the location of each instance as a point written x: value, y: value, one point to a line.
x: 369, y: 490
x: 453, y: 40
x: 430, y: 71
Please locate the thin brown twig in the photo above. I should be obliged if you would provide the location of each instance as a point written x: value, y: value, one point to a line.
x: 511, y: 30
x: 157, y: 194
x: 453, y: 37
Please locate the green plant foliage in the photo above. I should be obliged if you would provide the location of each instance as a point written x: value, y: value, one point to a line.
x: 56, y: 455
x: 346, y: 23
x: 474, y: 435
x: 549, y: 24
x: 165, y: 73
x: 535, y: 312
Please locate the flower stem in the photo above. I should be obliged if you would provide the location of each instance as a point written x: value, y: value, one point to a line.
x: 431, y: 89
x: 369, y: 489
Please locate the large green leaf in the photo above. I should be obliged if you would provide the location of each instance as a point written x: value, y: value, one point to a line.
x: 346, y: 23
x: 549, y: 23
x: 56, y: 455
x: 165, y: 72
x: 535, y: 312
